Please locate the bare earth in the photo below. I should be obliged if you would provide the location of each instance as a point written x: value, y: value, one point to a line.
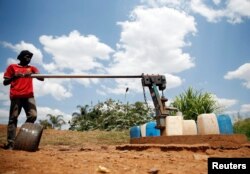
x: 94, y: 158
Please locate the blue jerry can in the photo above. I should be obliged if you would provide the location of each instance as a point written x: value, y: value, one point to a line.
x: 225, y: 124
x: 151, y: 130
x: 135, y: 132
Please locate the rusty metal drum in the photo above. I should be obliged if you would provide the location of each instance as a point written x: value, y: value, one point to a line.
x: 28, y: 137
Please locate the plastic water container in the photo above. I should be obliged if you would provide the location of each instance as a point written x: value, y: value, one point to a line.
x: 207, y: 124
x: 189, y: 127
x: 174, y: 125
x: 143, y: 130
x: 225, y: 124
x: 151, y: 130
x: 135, y: 132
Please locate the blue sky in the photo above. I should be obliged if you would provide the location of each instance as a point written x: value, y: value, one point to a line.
x: 198, y: 43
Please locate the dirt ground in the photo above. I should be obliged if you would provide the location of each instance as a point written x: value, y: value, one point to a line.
x: 116, y: 159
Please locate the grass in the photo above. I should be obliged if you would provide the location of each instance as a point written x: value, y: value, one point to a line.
x: 74, y: 138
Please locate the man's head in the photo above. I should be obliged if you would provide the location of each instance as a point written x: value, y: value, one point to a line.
x: 25, y: 57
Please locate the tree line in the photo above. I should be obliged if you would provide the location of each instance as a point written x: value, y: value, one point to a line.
x: 115, y: 115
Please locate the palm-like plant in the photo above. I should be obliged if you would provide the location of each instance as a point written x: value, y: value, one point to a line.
x: 56, y: 121
x: 46, y: 124
x: 83, y: 120
x: 192, y: 103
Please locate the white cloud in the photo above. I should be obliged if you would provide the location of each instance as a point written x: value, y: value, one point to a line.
x: 57, y: 88
x: 40, y: 88
x: 12, y: 61
x: 54, y: 87
x: 243, y: 73
x: 212, y: 15
x: 217, y: 2
x: 43, y: 111
x: 120, y: 87
x: 157, y: 3
x: 42, y: 115
x: 37, y: 54
x: 4, y: 92
x: 173, y: 81
x: 245, y: 108
x: 237, y: 9
x: 136, y: 86
x: 4, y: 116
x: 234, y: 11
x: 231, y: 112
x: 151, y: 42
x: 160, y: 36
x: 75, y: 52
x: 101, y: 92
x: 225, y: 103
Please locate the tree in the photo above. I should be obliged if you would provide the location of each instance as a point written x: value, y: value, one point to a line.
x: 118, y: 116
x: 46, y: 124
x: 193, y: 103
x: 85, y: 119
x: 243, y: 127
x: 139, y: 113
x: 56, y: 121
x: 110, y: 115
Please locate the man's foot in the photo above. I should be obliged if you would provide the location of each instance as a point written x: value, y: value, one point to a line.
x: 9, y: 146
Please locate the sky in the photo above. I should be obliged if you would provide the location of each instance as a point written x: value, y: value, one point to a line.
x: 198, y: 43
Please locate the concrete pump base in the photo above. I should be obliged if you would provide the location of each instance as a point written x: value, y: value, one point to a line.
x: 189, y: 142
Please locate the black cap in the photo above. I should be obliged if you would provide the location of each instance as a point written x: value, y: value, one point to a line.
x: 24, y: 53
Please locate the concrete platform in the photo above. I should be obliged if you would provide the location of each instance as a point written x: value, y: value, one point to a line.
x: 210, y: 141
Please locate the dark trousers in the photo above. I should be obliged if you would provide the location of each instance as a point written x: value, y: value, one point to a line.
x: 29, y: 106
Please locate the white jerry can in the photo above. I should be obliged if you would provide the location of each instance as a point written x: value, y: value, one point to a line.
x: 207, y: 124
x: 189, y: 127
x: 174, y: 125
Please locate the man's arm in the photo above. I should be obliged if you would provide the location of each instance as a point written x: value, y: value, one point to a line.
x: 7, y: 80
x: 38, y: 78
x: 36, y: 71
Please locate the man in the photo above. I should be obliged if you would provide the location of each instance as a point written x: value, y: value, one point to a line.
x: 21, y: 93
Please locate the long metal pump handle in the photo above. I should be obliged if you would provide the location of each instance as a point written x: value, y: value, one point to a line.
x: 83, y: 76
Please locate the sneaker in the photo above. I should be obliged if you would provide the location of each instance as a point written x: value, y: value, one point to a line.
x: 9, y: 146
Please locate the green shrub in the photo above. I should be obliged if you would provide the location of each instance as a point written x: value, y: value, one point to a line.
x: 110, y: 115
x: 243, y: 127
x: 193, y: 103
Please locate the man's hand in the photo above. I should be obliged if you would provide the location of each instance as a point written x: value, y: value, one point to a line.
x: 17, y: 75
x: 27, y: 74
x: 7, y: 81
